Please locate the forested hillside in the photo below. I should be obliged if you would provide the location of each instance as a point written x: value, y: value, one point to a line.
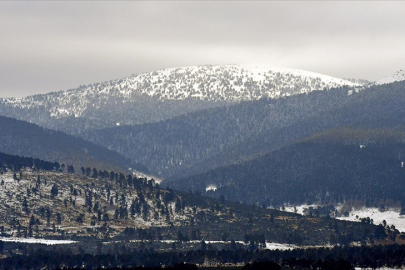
x: 329, y: 168
x: 375, y: 108
x: 203, y: 140
x: 106, y: 205
x: 26, y: 139
x: 171, y: 146
x: 16, y: 163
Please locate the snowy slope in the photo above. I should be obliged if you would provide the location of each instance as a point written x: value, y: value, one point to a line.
x: 205, y: 83
x: 391, y: 216
x: 396, y: 77
x: 37, y: 195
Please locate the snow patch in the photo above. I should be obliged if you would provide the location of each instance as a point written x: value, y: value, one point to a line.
x: 391, y: 216
x: 211, y: 188
x: 299, y: 209
x: 274, y: 246
x: 37, y: 241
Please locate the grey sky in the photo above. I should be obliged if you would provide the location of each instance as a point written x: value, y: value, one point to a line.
x: 49, y: 46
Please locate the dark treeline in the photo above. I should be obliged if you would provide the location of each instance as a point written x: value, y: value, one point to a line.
x: 314, y: 258
x: 16, y: 163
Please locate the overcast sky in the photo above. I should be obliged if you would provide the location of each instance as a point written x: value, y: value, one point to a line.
x: 50, y: 46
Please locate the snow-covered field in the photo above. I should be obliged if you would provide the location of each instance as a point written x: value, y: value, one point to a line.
x: 269, y: 245
x: 274, y: 246
x: 392, y: 217
x: 37, y: 241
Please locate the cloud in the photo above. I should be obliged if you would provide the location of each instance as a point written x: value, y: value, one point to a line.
x: 49, y: 46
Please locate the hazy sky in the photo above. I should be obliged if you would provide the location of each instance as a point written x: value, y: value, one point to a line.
x: 50, y: 46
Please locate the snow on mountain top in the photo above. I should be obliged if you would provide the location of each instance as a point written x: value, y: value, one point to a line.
x: 396, y: 77
x: 263, y: 68
x: 209, y: 83
x: 257, y: 72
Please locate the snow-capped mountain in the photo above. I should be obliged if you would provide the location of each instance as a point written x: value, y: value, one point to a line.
x: 206, y: 86
x: 396, y: 77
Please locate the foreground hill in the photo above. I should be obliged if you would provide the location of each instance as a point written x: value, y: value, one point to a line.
x: 162, y: 94
x: 109, y: 206
x: 26, y: 139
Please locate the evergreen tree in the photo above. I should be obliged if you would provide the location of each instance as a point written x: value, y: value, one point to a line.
x: 54, y: 191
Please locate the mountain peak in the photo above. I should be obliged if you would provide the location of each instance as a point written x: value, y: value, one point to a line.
x: 201, y: 86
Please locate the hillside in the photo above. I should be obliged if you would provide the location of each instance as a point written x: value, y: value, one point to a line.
x: 377, y: 108
x: 162, y: 94
x: 330, y: 167
x: 26, y: 139
x: 207, y: 139
x: 177, y: 144
x: 113, y: 207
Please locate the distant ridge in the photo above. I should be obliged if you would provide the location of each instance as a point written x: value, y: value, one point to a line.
x: 162, y: 94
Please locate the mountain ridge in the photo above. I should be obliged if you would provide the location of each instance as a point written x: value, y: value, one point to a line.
x: 138, y: 99
x: 197, y: 136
